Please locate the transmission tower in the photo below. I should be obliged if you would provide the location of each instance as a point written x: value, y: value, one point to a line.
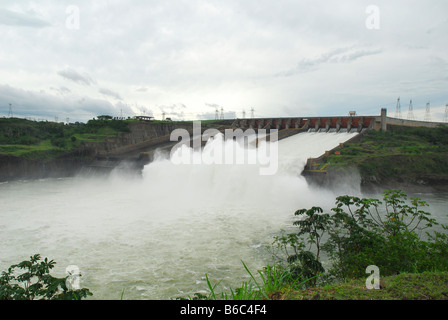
x: 398, y: 110
x: 163, y: 116
x: 252, y: 113
x: 216, y: 114
x: 244, y: 114
x: 428, y: 112
x: 10, y: 115
x: 445, y: 118
x: 411, y: 111
x: 222, y: 113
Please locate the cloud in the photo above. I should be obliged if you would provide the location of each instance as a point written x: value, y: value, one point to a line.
x: 74, y: 76
x: 353, y: 56
x: 339, y: 55
x: 12, y: 18
x: 28, y: 103
x: 213, y: 105
x: 61, y: 90
x: 110, y: 93
x: 174, y: 111
x: 231, y: 53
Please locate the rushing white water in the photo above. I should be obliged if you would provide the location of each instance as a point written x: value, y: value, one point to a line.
x: 156, y: 237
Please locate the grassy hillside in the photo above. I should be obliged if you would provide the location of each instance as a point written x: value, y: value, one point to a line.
x: 405, y: 286
x: 402, y: 154
x: 45, y: 140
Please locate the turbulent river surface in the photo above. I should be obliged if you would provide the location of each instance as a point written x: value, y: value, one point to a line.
x: 158, y: 235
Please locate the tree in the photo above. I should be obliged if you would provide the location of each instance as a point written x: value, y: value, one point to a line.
x: 360, y: 232
x: 31, y: 280
x: 303, y: 263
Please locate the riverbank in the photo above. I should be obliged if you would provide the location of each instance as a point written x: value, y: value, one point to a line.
x: 405, y: 158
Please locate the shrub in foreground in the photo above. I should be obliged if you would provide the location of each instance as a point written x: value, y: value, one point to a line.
x: 31, y: 280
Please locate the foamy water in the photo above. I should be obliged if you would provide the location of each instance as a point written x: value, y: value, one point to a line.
x: 157, y: 236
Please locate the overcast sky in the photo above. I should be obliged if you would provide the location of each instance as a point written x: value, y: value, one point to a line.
x: 79, y: 59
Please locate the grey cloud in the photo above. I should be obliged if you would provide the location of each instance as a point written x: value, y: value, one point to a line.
x: 76, y: 77
x: 145, y: 110
x: 61, y: 90
x: 124, y: 109
x: 231, y: 52
x: 212, y: 105
x: 357, y: 55
x: 27, y: 103
x: 173, y: 107
x: 174, y: 110
x: 11, y: 18
x: 110, y: 93
x: 340, y: 55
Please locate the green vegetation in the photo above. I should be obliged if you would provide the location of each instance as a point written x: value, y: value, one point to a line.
x: 46, y: 140
x: 404, y: 286
x: 31, y: 280
x: 409, y: 248
x: 401, y: 153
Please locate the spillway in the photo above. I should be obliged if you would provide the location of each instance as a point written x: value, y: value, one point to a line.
x: 156, y: 237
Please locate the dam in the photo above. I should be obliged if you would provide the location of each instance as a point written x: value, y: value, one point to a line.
x: 141, y: 152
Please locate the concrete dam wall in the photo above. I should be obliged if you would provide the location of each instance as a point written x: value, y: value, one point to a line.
x: 137, y: 147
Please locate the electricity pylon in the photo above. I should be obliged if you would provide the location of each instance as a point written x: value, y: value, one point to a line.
x: 445, y: 118
x: 428, y: 112
x: 411, y: 111
x: 398, y: 110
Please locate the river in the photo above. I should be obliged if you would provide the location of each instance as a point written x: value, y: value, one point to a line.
x: 158, y: 235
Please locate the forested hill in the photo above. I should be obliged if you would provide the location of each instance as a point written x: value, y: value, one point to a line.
x: 46, y: 140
